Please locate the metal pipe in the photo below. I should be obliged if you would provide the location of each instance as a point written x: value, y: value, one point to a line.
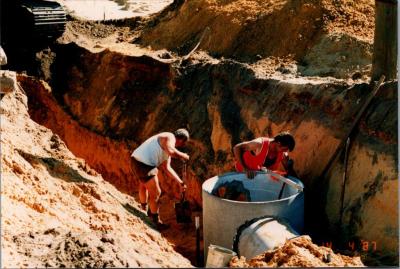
x: 261, y: 234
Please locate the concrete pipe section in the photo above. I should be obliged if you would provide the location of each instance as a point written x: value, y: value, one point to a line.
x: 261, y: 234
x: 232, y: 199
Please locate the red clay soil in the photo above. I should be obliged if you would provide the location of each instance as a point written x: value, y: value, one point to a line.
x: 298, y: 252
x: 111, y: 158
x: 57, y: 212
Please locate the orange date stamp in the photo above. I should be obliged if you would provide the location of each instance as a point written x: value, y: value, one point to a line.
x: 363, y: 245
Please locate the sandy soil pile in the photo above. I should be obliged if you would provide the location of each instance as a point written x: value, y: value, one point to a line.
x: 94, y: 29
x: 57, y: 211
x: 269, y: 27
x: 339, y: 32
x: 355, y: 18
x: 316, y: 38
x: 98, y: 36
x: 298, y: 252
x: 97, y: 31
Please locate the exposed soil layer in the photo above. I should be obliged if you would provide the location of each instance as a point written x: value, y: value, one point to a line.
x: 252, y: 29
x: 321, y: 38
x: 269, y: 21
x: 126, y: 98
x: 298, y: 252
x: 111, y: 158
x: 58, y: 212
x: 110, y: 90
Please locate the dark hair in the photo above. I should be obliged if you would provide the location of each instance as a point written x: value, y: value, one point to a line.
x: 182, y: 134
x: 286, y: 140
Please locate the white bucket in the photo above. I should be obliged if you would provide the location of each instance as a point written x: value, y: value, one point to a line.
x: 218, y: 256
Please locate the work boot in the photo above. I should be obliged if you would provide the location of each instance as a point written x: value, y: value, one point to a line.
x: 156, y: 221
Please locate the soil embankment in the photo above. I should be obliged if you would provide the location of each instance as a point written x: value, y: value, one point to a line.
x: 108, y: 94
x: 223, y: 102
x: 323, y: 38
x: 58, y: 212
x: 109, y: 157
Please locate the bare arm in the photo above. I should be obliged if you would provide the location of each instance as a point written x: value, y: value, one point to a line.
x: 170, y: 171
x: 166, y: 166
x: 240, y: 148
x: 167, y: 143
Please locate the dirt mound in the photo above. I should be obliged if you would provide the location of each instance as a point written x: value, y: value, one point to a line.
x: 67, y: 249
x: 317, y: 38
x: 57, y: 211
x: 95, y: 31
x: 354, y: 18
x: 252, y: 29
x: 298, y: 252
x: 268, y: 28
x: 338, y: 55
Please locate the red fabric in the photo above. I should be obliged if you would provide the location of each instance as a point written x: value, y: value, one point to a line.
x: 275, y: 166
x: 255, y: 162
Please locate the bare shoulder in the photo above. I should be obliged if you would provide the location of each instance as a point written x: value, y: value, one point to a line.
x: 254, y: 144
x: 258, y: 141
x: 166, y: 137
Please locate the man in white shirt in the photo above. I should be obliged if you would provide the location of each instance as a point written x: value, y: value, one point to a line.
x: 153, y: 153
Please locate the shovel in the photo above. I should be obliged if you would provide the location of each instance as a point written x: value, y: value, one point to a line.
x: 183, y: 211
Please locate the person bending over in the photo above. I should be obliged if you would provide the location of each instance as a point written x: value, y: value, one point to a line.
x: 252, y: 156
x: 154, y: 153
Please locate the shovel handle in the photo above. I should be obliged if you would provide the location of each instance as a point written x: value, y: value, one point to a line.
x: 184, y: 171
x: 183, y: 196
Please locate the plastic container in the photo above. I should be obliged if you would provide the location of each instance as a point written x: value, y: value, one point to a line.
x: 219, y: 256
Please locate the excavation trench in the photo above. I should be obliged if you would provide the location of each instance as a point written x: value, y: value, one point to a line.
x: 104, y: 104
x: 109, y: 157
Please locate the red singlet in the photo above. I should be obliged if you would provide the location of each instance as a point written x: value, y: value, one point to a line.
x: 255, y: 162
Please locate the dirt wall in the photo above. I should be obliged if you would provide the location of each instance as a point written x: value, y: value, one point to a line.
x: 248, y: 30
x: 223, y: 102
x: 371, y: 188
x: 55, y: 210
x: 109, y: 157
x: 281, y: 27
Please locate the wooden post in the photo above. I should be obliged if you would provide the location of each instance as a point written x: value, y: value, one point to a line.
x: 385, y: 41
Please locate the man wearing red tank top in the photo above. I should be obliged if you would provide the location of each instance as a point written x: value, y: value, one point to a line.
x: 252, y: 156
